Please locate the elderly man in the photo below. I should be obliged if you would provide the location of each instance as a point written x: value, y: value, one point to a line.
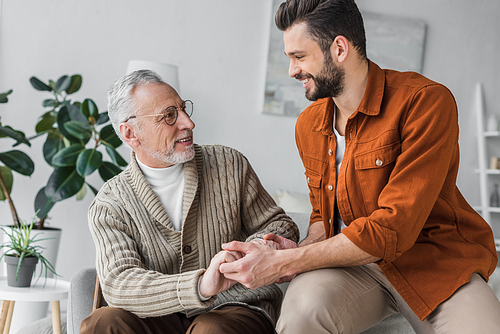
x: 389, y: 230
x: 158, y: 226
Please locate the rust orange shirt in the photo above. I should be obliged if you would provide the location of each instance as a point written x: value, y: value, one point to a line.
x: 396, y: 188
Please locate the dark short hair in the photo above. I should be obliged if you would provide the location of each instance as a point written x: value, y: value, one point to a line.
x: 325, y: 19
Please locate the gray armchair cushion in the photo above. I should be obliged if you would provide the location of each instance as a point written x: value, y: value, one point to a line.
x: 80, y: 298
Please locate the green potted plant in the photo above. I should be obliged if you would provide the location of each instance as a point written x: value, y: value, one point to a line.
x: 20, y: 162
x: 75, y: 135
x: 21, y: 253
x: 13, y: 160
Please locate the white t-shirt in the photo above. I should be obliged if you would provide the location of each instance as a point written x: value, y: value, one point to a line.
x: 339, y: 155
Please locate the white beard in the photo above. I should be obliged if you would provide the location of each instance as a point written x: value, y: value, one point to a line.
x: 170, y: 156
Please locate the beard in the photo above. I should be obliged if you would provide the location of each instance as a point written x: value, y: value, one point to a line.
x: 170, y: 155
x: 329, y: 82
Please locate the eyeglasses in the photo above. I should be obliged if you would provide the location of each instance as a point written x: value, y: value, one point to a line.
x: 170, y: 114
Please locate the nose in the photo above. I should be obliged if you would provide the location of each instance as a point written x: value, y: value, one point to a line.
x: 184, y: 122
x: 293, y: 69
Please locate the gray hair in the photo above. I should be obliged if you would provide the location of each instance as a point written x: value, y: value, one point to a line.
x: 120, y: 101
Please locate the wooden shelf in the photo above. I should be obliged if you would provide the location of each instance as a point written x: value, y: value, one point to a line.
x: 490, y: 209
x: 491, y: 133
x: 488, y: 171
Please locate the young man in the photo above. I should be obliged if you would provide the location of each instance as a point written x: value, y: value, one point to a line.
x: 159, y: 225
x: 390, y: 231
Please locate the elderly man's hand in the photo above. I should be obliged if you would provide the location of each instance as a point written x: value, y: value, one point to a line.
x: 283, y: 243
x: 256, y: 268
x: 213, y: 281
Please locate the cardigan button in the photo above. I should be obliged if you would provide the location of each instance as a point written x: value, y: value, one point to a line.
x: 330, y: 152
x: 187, y: 249
x: 379, y: 162
x: 330, y: 187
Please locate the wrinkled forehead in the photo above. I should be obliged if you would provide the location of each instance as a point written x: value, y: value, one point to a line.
x: 154, y: 98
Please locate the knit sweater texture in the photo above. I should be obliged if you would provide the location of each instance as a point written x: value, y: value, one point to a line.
x: 148, y: 268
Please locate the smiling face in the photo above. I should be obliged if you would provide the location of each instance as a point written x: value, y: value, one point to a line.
x: 319, y: 75
x: 157, y: 144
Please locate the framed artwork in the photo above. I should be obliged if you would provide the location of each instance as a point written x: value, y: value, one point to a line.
x: 392, y: 42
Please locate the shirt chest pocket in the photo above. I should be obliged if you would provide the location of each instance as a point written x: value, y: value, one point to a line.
x: 373, y: 170
x: 313, y: 180
x: 378, y: 158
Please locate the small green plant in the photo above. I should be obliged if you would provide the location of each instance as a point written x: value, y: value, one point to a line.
x: 22, y: 245
x: 76, y: 132
x: 13, y: 160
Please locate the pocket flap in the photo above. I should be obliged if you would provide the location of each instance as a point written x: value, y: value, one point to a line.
x: 377, y: 158
x: 313, y: 179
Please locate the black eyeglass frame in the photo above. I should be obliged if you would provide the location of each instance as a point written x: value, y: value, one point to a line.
x: 170, y: 109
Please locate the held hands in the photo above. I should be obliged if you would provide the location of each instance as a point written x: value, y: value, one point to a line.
x: 213, y: 281
x: 260, y: 264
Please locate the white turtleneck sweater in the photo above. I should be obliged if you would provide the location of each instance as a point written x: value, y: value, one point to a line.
x: 168, y: 184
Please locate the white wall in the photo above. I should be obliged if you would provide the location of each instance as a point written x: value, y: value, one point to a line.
x: 220, y: 47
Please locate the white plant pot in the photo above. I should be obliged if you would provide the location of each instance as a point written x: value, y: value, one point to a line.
x: 27, y: 312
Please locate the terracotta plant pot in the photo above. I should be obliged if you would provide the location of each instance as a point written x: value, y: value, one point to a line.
x: 25, y: 272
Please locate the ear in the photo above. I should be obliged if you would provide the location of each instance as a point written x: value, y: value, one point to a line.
x: 340, y: 48
x: 129, y: 134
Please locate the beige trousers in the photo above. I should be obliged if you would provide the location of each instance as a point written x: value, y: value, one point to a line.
x: 351, y: 300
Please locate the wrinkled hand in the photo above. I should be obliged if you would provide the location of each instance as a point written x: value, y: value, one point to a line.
x: 213, y: 281
x: 256, y: 268
x: 268, y: 243
x: 283, y: 243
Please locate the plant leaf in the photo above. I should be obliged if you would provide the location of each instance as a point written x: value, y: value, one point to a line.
x: 18, y: 161
x: 94, y: 190
x: 14, y: 134
x: 63, y: 83
x: 89, y: 109
x: 62, y: 118
x: 63, y: 183
x: 46, y: 122
x: 81, y: 193
x: 103, y: 118
x: 50, y: 103
x: 8, y: 179
x: 108, y: 170
x: 88, y: 161
x: 39, y: 85
x: 42, y: 203
x: 3, y: 96
x: 76, y: 83
x: 67, y: 156
x: 75, y: 113
x: 115, y: 156
x: 80, y: 130
x: 53, y: 144
x: 109, y: 136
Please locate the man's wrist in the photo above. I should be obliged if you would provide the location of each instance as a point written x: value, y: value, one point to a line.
x: 203, y: 299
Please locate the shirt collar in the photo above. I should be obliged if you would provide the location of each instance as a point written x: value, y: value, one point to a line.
x: 374, y: 92
x: 370, y: 104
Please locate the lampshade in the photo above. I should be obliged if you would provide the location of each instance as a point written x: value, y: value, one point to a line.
x: 167, y: 72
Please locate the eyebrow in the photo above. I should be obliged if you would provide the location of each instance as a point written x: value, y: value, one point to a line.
x: 293, y: 53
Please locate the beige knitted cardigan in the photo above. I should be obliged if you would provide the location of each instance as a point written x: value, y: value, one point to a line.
x: 148, y: 268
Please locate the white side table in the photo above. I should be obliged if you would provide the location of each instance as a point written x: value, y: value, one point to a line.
x: 53, y: 291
